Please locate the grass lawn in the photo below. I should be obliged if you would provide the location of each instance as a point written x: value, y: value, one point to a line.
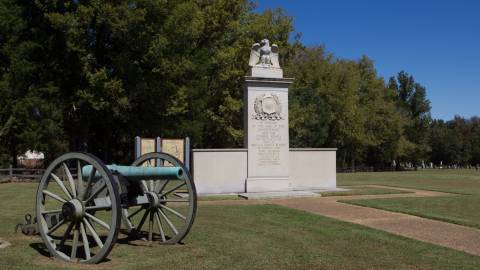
x: 461, y: 209
x: 359, y: 190
x: 242, y: 237
x: 454, y: 181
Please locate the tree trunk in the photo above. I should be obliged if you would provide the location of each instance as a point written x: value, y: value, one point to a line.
x: 353, y: 163
x: 14, y: 158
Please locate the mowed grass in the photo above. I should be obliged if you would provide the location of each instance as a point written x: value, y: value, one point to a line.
x: 454, y: 181
x: 241, y: 237
x: 460, y: 209
x: 463, y: 210
x: 360, y: 190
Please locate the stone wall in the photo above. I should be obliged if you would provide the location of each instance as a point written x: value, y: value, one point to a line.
x: 225, y: 170
x: 313, y: 168
x: 219, y: 170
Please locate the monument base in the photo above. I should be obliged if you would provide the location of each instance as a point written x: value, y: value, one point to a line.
x: 263, y: 184
x: 278, y: 195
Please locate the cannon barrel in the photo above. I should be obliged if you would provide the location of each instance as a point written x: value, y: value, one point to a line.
x: 140, y: 173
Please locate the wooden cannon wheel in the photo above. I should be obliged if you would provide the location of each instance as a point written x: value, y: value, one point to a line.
x: 78, y: 216
x: 171, y: 213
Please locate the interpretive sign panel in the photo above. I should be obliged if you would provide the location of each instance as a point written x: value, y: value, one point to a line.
x: 147, y: 145
x: 174, y: 147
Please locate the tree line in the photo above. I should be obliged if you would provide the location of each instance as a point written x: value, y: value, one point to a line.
x: 92, y: 75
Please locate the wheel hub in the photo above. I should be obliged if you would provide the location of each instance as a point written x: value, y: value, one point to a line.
x: 153, y: 199
x: 73, y: 210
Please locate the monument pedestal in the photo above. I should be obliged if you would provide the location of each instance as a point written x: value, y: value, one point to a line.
x: 266, y: 124
x: 268, y: 184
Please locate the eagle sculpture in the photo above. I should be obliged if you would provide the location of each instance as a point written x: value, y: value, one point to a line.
x: 264, y: 55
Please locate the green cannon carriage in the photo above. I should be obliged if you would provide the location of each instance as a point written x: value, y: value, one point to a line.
x: 82, y: 204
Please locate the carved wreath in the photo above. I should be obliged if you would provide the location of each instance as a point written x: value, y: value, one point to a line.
x: 267, y: 107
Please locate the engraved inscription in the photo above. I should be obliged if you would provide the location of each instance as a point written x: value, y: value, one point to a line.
x: 268, y: 143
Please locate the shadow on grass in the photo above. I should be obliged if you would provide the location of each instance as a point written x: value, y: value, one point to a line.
x: 125, y: 239
x: 139, y: 239
x: 42, y: 250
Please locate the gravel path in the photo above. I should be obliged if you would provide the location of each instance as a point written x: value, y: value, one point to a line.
x: 446, y: 234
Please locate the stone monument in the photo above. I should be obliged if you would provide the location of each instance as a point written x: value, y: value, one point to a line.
x: 265, y: 167
x: 266, y: 121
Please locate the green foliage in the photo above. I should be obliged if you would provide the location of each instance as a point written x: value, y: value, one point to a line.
x: 101, y: 72
x: 310, y: 117
x: 415, y: 107
x: 344, y: 104
x: 92, y: 75
x: 310, y: 113
x: 455, y: 142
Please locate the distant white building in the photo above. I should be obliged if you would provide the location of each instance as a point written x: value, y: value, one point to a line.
x: 31, y: 159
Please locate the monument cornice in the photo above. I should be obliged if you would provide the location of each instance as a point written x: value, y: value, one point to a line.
x: 313, y: 149
x: 269, y: 80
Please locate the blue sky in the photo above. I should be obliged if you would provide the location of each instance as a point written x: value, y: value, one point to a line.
x: 438, y: 42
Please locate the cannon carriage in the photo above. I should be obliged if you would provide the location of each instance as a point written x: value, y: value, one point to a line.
x: 82, y: 204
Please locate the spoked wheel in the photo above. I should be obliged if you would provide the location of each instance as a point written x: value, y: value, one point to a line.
x: 78, y: 212
x: 172, y: 204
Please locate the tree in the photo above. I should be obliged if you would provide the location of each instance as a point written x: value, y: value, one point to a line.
x: 310, y: 115
x: 455, y: 142
x: 414, y: 105
x: 92, y: 75
x: 101, y: 72
x: 385, y: 126
x: 348, y: 106
x: 30, y: 113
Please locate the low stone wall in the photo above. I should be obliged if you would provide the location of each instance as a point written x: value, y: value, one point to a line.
x: 225, y: 170
x: 219, y: 170
x: 313, y: 168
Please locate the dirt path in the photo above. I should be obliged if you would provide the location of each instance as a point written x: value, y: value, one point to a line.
x: 446, y: 234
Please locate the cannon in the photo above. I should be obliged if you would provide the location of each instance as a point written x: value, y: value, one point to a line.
x: 82, y: 204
